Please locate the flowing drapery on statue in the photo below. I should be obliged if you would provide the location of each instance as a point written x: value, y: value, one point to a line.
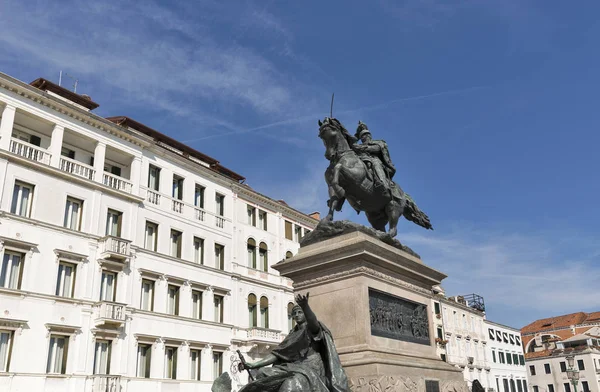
x: 362, y: 175
x: 306, y: 360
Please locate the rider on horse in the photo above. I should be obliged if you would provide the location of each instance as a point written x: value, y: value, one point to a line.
x: 375, y: 155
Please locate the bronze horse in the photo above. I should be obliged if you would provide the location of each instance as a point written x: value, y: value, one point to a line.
x: 348, y: 179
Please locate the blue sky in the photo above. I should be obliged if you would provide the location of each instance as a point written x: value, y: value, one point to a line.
x: 490, y: 110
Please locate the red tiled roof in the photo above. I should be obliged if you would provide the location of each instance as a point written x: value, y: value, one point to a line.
x: 82, y: 100
x: 538, y: 354
x: 160, y: 137
x: 563, y: 321
x: 594, y: 316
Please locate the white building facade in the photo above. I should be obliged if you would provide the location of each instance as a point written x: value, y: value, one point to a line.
x: 460, y: 337
x: 130, y: 262
x: 504, y: 347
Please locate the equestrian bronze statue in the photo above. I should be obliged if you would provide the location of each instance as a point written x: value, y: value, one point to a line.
x: 363, y: 175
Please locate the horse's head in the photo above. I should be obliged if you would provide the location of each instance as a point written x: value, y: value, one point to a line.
x: 335, y: 137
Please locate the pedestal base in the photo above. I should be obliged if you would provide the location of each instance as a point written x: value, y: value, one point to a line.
x: 375, y: 299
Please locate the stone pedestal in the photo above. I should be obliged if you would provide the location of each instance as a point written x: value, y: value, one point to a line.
x: 376, y: 301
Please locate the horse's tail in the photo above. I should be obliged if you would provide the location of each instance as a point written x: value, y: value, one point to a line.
x: 414, y: 214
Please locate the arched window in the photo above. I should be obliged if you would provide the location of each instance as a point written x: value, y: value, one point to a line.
x: 288, y: 254
x: 291, y: 321
x: 252, y: 314
x: 262, y: 257
x: 251, y: 253
x: 264, y: 312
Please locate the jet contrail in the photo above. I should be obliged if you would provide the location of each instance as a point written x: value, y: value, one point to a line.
x: 315, y: 116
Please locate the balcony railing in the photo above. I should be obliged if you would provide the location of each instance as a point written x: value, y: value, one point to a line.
x: 114, y: 247
x: 200, y: 214
x: 29, y: 151
x: 219, y: 222
x: 110, y: 313
x: 79, y: 169
x: 106, y: 383
x: 177, y: 206
x: 264, y: 334
x: 153, y: 197
x: 117, y: 182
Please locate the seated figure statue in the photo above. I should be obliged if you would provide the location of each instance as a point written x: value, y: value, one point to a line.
x: 305, y: 361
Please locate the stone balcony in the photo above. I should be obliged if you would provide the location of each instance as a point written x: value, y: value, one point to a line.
x: 114, y: 249
x: 109, y: 314
x: 106, y: 383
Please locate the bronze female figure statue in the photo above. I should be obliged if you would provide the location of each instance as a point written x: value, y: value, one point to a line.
x: 305, y: 361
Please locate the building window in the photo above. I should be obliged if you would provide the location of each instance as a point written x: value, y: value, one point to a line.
x: 57, y: 354
x: 493, y: 356
x: 217, y: 364
x: 143, y: 360
x: 113, y: 223
x: 218, y: 308
x: 219, y: 204
x: 263, y: 262
x: 505, y: 337
x: 251, y: 214
x: 512, y: 386
x: 505, y: 384
x: 12, y: 270
x: 264, y: 312
x: 251, y: 250
x: 547, y: 368
x: 173, y: 300
x: 151, y: 236
x: 73, y: 213
x: 501, y: 357
x: 519, y: 386
x: 154, y: 178
x: 262, y: 220
x: 524, y: 385
x: 65, y: 282
x: 567, y: 387
x: 521, y: 360
x: 515, y: 359
x: 536, y: 389
x: 22, y: 199
x: 288, y: 230
x: 5, y: 349
x: 171, y: 362
x: 289, y: 255
x: 198, y: 250
x: 497, y: 385
x: 586, y: 387
x: 197, y: 304
x: 195, y: 364
x: 297, y: 233
x: 440, y: 333
x: 550, y: 387
x: 563, y: 367
x: 511, y: 337
x: 177, y: 188
x: 436, y: 307
x: 220, y: 257
x: 580, y: 364
x: 199, y: 196
x: 252, y: 311
x: 147, y: 298
x: 176, y: 243
x: 443, y: 357
x: 108, y: 286
x: 102, y: 357
x: 532, y: 370
x: 291, y: 321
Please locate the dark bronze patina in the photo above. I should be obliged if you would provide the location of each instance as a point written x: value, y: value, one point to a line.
x: 363, y: 175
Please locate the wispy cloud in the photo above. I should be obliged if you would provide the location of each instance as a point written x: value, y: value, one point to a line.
x: 526, y: 269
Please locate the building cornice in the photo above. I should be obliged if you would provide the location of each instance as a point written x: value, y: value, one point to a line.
x: 502, y: 326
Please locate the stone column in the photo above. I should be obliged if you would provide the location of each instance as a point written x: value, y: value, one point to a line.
x: 99, y: 156
x: 6, y: 126
x: 135, y: 176
x: 56, y: 145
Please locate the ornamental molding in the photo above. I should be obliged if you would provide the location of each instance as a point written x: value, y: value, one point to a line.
x: 387, y: 383
x: 366, y: 271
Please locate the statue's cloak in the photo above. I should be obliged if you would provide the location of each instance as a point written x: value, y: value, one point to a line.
x: 291, y: 355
